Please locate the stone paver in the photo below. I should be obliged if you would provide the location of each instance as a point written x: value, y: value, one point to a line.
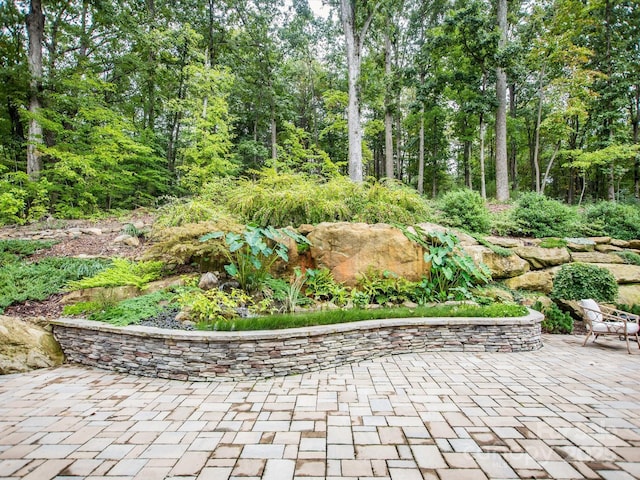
x: 561, y: 412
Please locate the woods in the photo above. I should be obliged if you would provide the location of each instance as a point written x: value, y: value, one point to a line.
x: 113, y: 105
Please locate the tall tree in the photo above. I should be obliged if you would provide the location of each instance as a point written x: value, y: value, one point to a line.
x: 356, y: 17
x: 35, y: 28
x: 502, y: 166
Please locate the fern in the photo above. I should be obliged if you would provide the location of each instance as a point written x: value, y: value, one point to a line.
x: 121, y: 272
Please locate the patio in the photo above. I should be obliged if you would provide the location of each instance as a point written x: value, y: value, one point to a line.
x: 560, y: 412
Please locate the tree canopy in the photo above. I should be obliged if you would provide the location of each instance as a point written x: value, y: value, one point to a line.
x: 109, y: 104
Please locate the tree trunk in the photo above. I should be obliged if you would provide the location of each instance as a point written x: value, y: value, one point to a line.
x: 513, y: 149
x: 635, y: 124
x: 388, y: 114
x: 35, y: 29
x: 274, y: 139
x: 421, y: 153
x: 483, y: 133
x: 536, y: 147
x: 467, y: 160
x: 354, y: 44
x: 502, y: 169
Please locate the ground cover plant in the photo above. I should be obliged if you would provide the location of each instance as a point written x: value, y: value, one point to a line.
x: 119, y: 273
x: 21, y: 281
x: 466, y: 209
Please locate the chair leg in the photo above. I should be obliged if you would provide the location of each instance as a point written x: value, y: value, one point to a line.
x: 587, y: 338
x: 638, y: 340
x: 626, y: 337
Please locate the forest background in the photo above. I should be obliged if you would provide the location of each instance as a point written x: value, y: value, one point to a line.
x: 109, y: 104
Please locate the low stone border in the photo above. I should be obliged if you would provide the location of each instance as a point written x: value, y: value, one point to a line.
x: 202, y: 356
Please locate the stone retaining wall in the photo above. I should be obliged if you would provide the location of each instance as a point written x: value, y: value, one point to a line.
x: 202, y: 356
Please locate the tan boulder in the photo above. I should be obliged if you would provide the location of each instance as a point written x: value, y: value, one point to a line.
x: 623, y: 273
x: 538, y: 281
x: 629, y: 294
x: 580, y: 244
x: 605, y: 248
x: 350, y: 249
x: 601, y: 240
x: 505, y: 242
x: 634, y: 244
x: 543, y: 257
x: 25, y: 346
x: 619, y: 243
x: 500, y: 266
x: 595, y: 257
x: 117, y: 294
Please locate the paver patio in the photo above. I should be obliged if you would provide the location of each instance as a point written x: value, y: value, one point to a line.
x: 560, y: 412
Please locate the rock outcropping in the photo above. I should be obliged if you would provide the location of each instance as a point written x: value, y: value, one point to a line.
x: 25, y: 346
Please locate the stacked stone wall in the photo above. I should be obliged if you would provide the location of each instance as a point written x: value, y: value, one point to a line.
x: 202, y: 356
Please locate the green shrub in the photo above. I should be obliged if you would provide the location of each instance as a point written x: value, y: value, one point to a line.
x: 555, y: 320
x: 630, y: 258
x: 385, y: 287
x: 211, y: 307
x: 283, y: 199
x: 538, y: 216
x: 321, y: 286
x: 577, y: 281
x: 121, y: 272
x: 466, y: 209
x: 617, y: 219
x: 181, y: 212
x: 22, y: 281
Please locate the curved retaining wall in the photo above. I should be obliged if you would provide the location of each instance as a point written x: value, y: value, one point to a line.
x: 202, y: 356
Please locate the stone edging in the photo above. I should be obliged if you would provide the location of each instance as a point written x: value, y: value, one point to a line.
x: 202, y: 356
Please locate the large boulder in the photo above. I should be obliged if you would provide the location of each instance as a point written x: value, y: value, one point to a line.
x: 629, y: 294
x: 499, y: 265
x: 506, y: 242
x: 25, y: 346
x: 350, y: 249
x: 538, y: 281
x: 623, y: 273
x: 595, y: 257
x: 543, y: 257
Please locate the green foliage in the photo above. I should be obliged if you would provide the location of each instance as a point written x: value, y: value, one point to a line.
x: 253, y: 252
x: 82, y: 308
x: 385, y: 287
x: 14, y: 250
x: 214, y: 307
x: 279, y: 199
x: 577, y: 281
x: 133, y: 310
x: 453, y: 273
x: 22, y: 200
x: 538, y: 216
x: 121, y: 272
x: 22, y: 281
x: 555, y: 320
x: 321, y: 286
x: 466, y: 209
x: 630, y: 258
x: 618, y: 220
x: 180, y: 212
x: 553, y: 242
x: 331, y: 317
x: 182, y: 245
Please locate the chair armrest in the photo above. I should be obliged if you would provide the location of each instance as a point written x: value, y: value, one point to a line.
x: 613, y: 314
